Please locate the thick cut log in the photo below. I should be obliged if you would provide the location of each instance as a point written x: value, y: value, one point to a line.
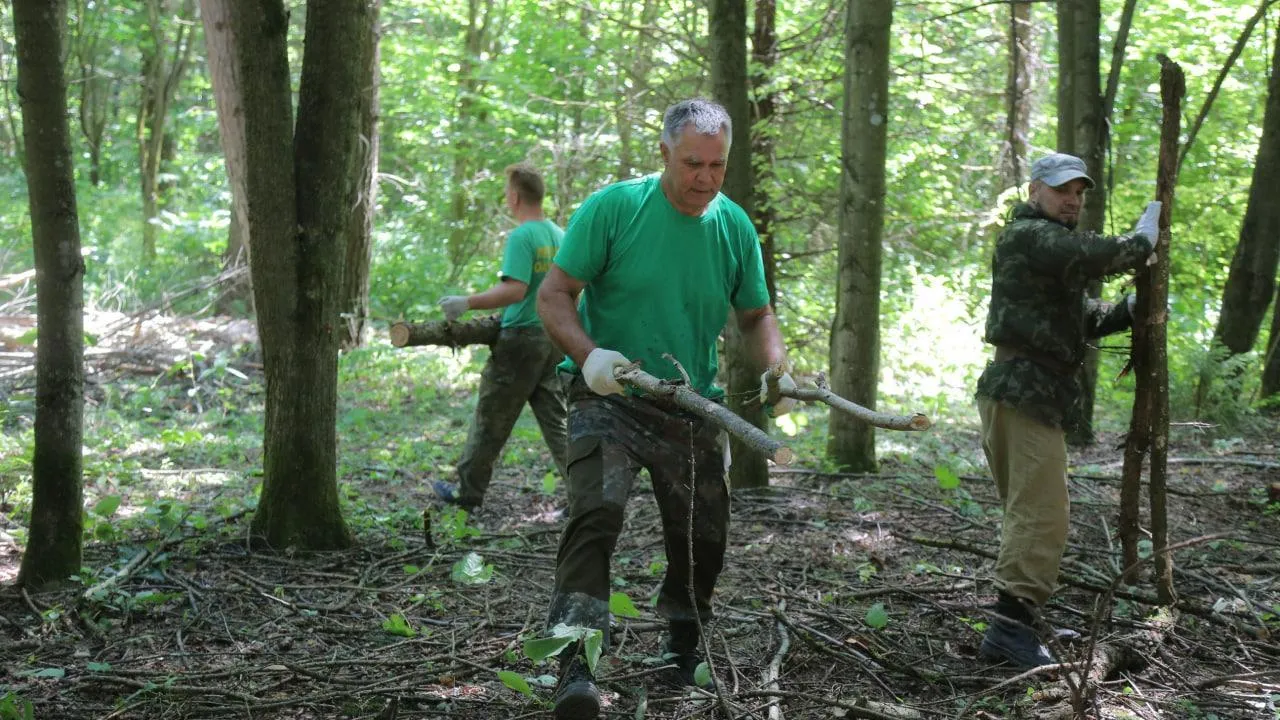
x: 751, y: 436
x: 483, y: 331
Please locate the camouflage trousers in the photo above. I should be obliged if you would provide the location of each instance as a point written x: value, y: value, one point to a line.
x: 610, y: 439
x: 1028, y: 460
x: 521, y: 369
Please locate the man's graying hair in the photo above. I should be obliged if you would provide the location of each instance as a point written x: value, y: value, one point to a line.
x: 707, y: 118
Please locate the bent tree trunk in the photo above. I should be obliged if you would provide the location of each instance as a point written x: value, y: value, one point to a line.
x: 53, y: 548
x: 354, y: 296
x: 855, y: 334
x: 729, y: 84
x: 301, y: 191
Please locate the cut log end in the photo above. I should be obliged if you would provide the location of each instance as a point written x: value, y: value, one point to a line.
x: 400, y: 334
x: 783, y: 456
x: 920, y: 422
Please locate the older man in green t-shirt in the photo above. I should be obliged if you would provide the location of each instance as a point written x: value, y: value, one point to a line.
x: 521, y: 366
x: 658, y: 263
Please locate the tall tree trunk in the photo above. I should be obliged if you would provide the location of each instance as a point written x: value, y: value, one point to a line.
x: 161, y: 74
x: 229, y: 96
x: 301, y: 193
x: 354, y: 297
x: 631, y: 83
x: 53, y: 547
x: 1018, y: 94
x: 764, y: 55
x: 855, y: 333
x: 729, y: 82
x: 1082, y: 132
x: 1252, y: 279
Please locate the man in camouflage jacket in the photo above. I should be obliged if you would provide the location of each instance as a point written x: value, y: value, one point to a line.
x: 1039, y: 322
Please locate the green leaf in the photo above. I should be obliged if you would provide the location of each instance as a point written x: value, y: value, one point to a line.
x: 621, y: 605
x: 594, y: 647
x: 702, y: 674
x: 539, y: 649
x: 549, y: 482
x: 411, y: 569
x: 471, y: 570
x: 515, y: 682
x: 106, y: 506
x: 876, y: 616
x: 947, y: 480
x: 397, y: 625
x: 51, y: 672
x: 98, y: 666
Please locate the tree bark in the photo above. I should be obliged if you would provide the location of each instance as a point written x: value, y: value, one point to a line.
x: 855, y: 334
x: 462, y: 243
x: 220, y: 45
x: 1271, y: 363
x: 1172, y: 90
x: 354, y: 297
x: 94, y: 86
x: 1018, y: 94
x: 1252, y: 279
x: 1082, y: 131
x: 477, y: 331
x: 729, y: 82
x: 54, y: 546
x: 764, y: 55
x: 160, y: 77
x: 301, y: 193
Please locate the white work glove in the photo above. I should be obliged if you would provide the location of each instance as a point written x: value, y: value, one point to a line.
x: 598, y: 371
x: 785, y: 404
x: 453, y: 306
x: 1148, y: 223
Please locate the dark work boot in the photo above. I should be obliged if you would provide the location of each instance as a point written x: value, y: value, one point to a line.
x: 448, y: 492
x: 576, y: 695
x: 683, y: 647
x: 1011, y: 636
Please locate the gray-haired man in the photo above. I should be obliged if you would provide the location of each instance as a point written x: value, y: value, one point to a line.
x: 658, y: 261
x: 1039, y: 322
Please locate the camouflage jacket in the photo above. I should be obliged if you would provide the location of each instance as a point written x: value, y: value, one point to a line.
x: 1039, y: 309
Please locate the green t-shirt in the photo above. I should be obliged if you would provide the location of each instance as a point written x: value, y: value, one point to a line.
x: 527, y: 258
x: 661, y: 282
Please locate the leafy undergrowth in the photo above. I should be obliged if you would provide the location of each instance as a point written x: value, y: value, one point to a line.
x: 843, y: 595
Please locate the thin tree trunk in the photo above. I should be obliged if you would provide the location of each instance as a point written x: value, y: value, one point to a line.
x: 228, y: 93
x: 1172, y: 90
x: 1079, y: 23
x: 1271, y: 364
x: 729, y: 82
x: 54, y: 546
x: 1018, y: 93
x: 354, y: 297
x: 15, y: 149
x: 764, y: 56
x: 461, y: 243
x: 855, y: 335
x: 161, y: 75
x: 94, y: 86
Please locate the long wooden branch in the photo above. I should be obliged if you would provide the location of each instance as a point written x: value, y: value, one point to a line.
x: 821, y: 393
x: 482, y: 331
x: 685, y: 398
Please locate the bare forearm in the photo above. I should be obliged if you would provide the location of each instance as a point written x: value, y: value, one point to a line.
x: 507, y: 292
x: 760, y: 333
x: 559, y: 313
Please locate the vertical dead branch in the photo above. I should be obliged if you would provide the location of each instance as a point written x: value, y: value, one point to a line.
x: 1172, y: 90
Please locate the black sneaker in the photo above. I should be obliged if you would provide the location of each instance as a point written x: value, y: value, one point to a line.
x: 448, y: 492
x: 1014, y: 643
x: 682, y: 648
x: 576, y: 695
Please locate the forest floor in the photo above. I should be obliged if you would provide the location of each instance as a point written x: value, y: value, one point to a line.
x: 843, y: 596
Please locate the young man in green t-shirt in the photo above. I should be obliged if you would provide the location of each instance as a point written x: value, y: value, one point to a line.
x: 522, y: 363
x: 658, y: 263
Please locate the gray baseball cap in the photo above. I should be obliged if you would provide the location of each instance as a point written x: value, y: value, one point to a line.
x: 1058, y: 169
